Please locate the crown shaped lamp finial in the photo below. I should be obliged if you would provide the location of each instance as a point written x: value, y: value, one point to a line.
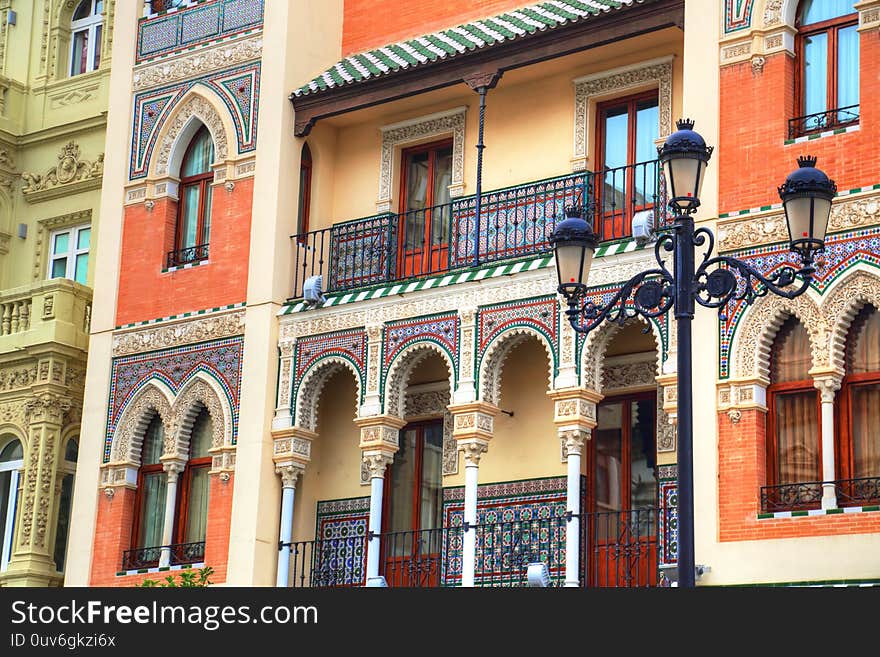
x: 807, y: 160
x: 684, y: 124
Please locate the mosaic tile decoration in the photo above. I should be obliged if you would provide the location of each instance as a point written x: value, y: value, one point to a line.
x: 603, y: 294
x: 239, y: 88
x: 442, y: 330
x: 667, y: 535
x: 196, y: 26
x: 507, y: 502
x: 341, y: 527
x: 842, y: 251
x: 362, y: 252
x: 350, y: 345
x: 540, y: 314
x: 737, y: 15
x: 219, y: 359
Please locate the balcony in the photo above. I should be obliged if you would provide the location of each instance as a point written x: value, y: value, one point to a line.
x: 822, y: 121
x: 807, y: 495
x: 52, y: 311
x: 148, y: 557
x: 618, y: 549
x: 513, y: 223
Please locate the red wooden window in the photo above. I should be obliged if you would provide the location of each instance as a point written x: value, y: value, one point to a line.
x: 150, y: 500
x: 305, y: 191
x: 794, y: 453
x: 192, y: 513
x: 194, y: 208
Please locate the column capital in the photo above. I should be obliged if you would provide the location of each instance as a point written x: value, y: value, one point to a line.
x: 473, y: 450
x: 289, y: 471
x: 377, y: 461
x: 827, y: 384
x: 574, y: 439
x: 379, y: 432
x: 292, y: 444
x: 47, y: 407
x: 574, y: 408
x: 172, y: 466
x: 473, y: 420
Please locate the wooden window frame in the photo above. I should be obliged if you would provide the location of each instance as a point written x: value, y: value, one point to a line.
x: 774, y: 390
x: 139, y: 502
x: 204, y: 181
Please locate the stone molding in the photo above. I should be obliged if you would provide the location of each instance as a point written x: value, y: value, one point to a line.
x: 173, y: 334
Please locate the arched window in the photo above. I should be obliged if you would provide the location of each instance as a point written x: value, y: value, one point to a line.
x: 793, y: 441
x: 11, y: 463
x: 194, y: 208
x: 859, y: 446
x: 68, y: 471
x: 85, y: 37
x: 193, y: 510
x: 152, y: 481
x: 305, y: 190
x: 828, y: 52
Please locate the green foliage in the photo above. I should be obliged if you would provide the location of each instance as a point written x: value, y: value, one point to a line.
x: 188, y: 578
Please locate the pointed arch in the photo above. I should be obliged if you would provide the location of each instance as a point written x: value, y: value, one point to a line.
x: 199, y: 106
x: 401, y: 368
x: 308, y: 394
x: 751, y: 344
x: 497, y: 351
x: 593, y: 353
x: 841, y: 306
x: 201, y: 391
x: 153, y: 398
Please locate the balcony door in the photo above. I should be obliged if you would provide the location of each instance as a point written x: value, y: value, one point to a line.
x: 622, y: 527
x: 627, y: 129
x: 412, y: 536
x: 425, y: 209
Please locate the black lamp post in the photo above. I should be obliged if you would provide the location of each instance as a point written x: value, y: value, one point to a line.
x: 806, y: 196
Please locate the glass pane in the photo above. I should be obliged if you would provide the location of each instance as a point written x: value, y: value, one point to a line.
x: 152, y: 510
x: 815, y: 11
x: 200, y: 438
x: 71, y: 452
x: 863, y: 348
x: 615, y: 154
x: 61, y: 245
x: 79, y: 59
x: 417, y: 181
x: 197, y: 506
x: 199, y: 154
x: 647, y: 131
x: 403, y: 478
x: 82, y: 268
x: 815, y: 73
x: 83, y: 10
x: 84, y: 238
x: 847, y: 70
x: 607, y: 485
x: 305, y: 182
x: 97, y: 62
x: 152, y: 447
x: 865, y: 423
x: 63, y: 521
x: 643, y: 482
x: 7, y: 515
x: 99, y: 7
x: 206, y: 215
x: 59, y: 268
x: 432, y: 477
x: 442, y: 180
x: 791, y: 356
x: 189, y: 222
x: 797, y: 438
x: 12, y: 452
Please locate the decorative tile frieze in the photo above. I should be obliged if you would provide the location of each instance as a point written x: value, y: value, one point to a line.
x: 191, y: 331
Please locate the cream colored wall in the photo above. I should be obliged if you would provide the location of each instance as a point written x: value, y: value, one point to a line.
x: 335, y: 470
x: 525, y: 140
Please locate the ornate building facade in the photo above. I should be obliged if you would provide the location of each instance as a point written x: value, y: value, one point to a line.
x: 331, y: 350
x: 54, y: 84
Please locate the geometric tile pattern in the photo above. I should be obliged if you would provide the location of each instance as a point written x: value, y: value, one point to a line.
x: 196, y: 26
x: 219, y: 359
x: 239, y: 88
x: 667, y: 535
x: 737, y: 15
x: 541, y: 314
x: 341, y: 526
x: 439, y: 329
x: 842, y: 252
x: 350, y: 345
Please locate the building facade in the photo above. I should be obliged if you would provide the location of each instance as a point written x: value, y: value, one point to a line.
x: 54, y: 84
x: 330, y: 349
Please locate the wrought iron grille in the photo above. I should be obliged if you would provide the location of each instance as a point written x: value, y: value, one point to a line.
x: 329, y: 562
x: 415, y: 558
x: 622, y: 547
x: 858, y: 492
x: 148, y: 557
x: 820, y: 121
x: 791, y: 497
x: 187, y: 255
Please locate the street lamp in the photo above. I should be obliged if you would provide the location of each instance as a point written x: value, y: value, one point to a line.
x: 806, y: 197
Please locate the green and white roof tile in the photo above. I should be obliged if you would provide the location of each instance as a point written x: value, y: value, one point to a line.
x: 458, y: 40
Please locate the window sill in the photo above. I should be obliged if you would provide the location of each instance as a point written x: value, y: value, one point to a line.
x: 157, y: 569
x: 825, y: 133
x: 189, y: 265
x: 812, y: 513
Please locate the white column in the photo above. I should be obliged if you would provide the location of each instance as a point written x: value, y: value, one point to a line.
x: 377, y: 463
x: 172, y: 473
x: 827, y: 387
x: 473, y: 451
x: 574, y: 444
x: 289, y: 474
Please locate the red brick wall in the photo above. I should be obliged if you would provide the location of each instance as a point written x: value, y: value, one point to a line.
x: 755, y: 108
x: 145, y: 292
x: 114, y: 528
x: 373, y: 23
x: 742, y: 472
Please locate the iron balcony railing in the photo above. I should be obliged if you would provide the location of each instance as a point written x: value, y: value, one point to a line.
x: 329, y: 562
x: 808, y: 495
x: 185, y: 256
x: 819, y: 121
x: 514, y: 222
x: 148, y: 557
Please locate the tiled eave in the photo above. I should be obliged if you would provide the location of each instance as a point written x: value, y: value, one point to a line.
x: 627, y: 22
